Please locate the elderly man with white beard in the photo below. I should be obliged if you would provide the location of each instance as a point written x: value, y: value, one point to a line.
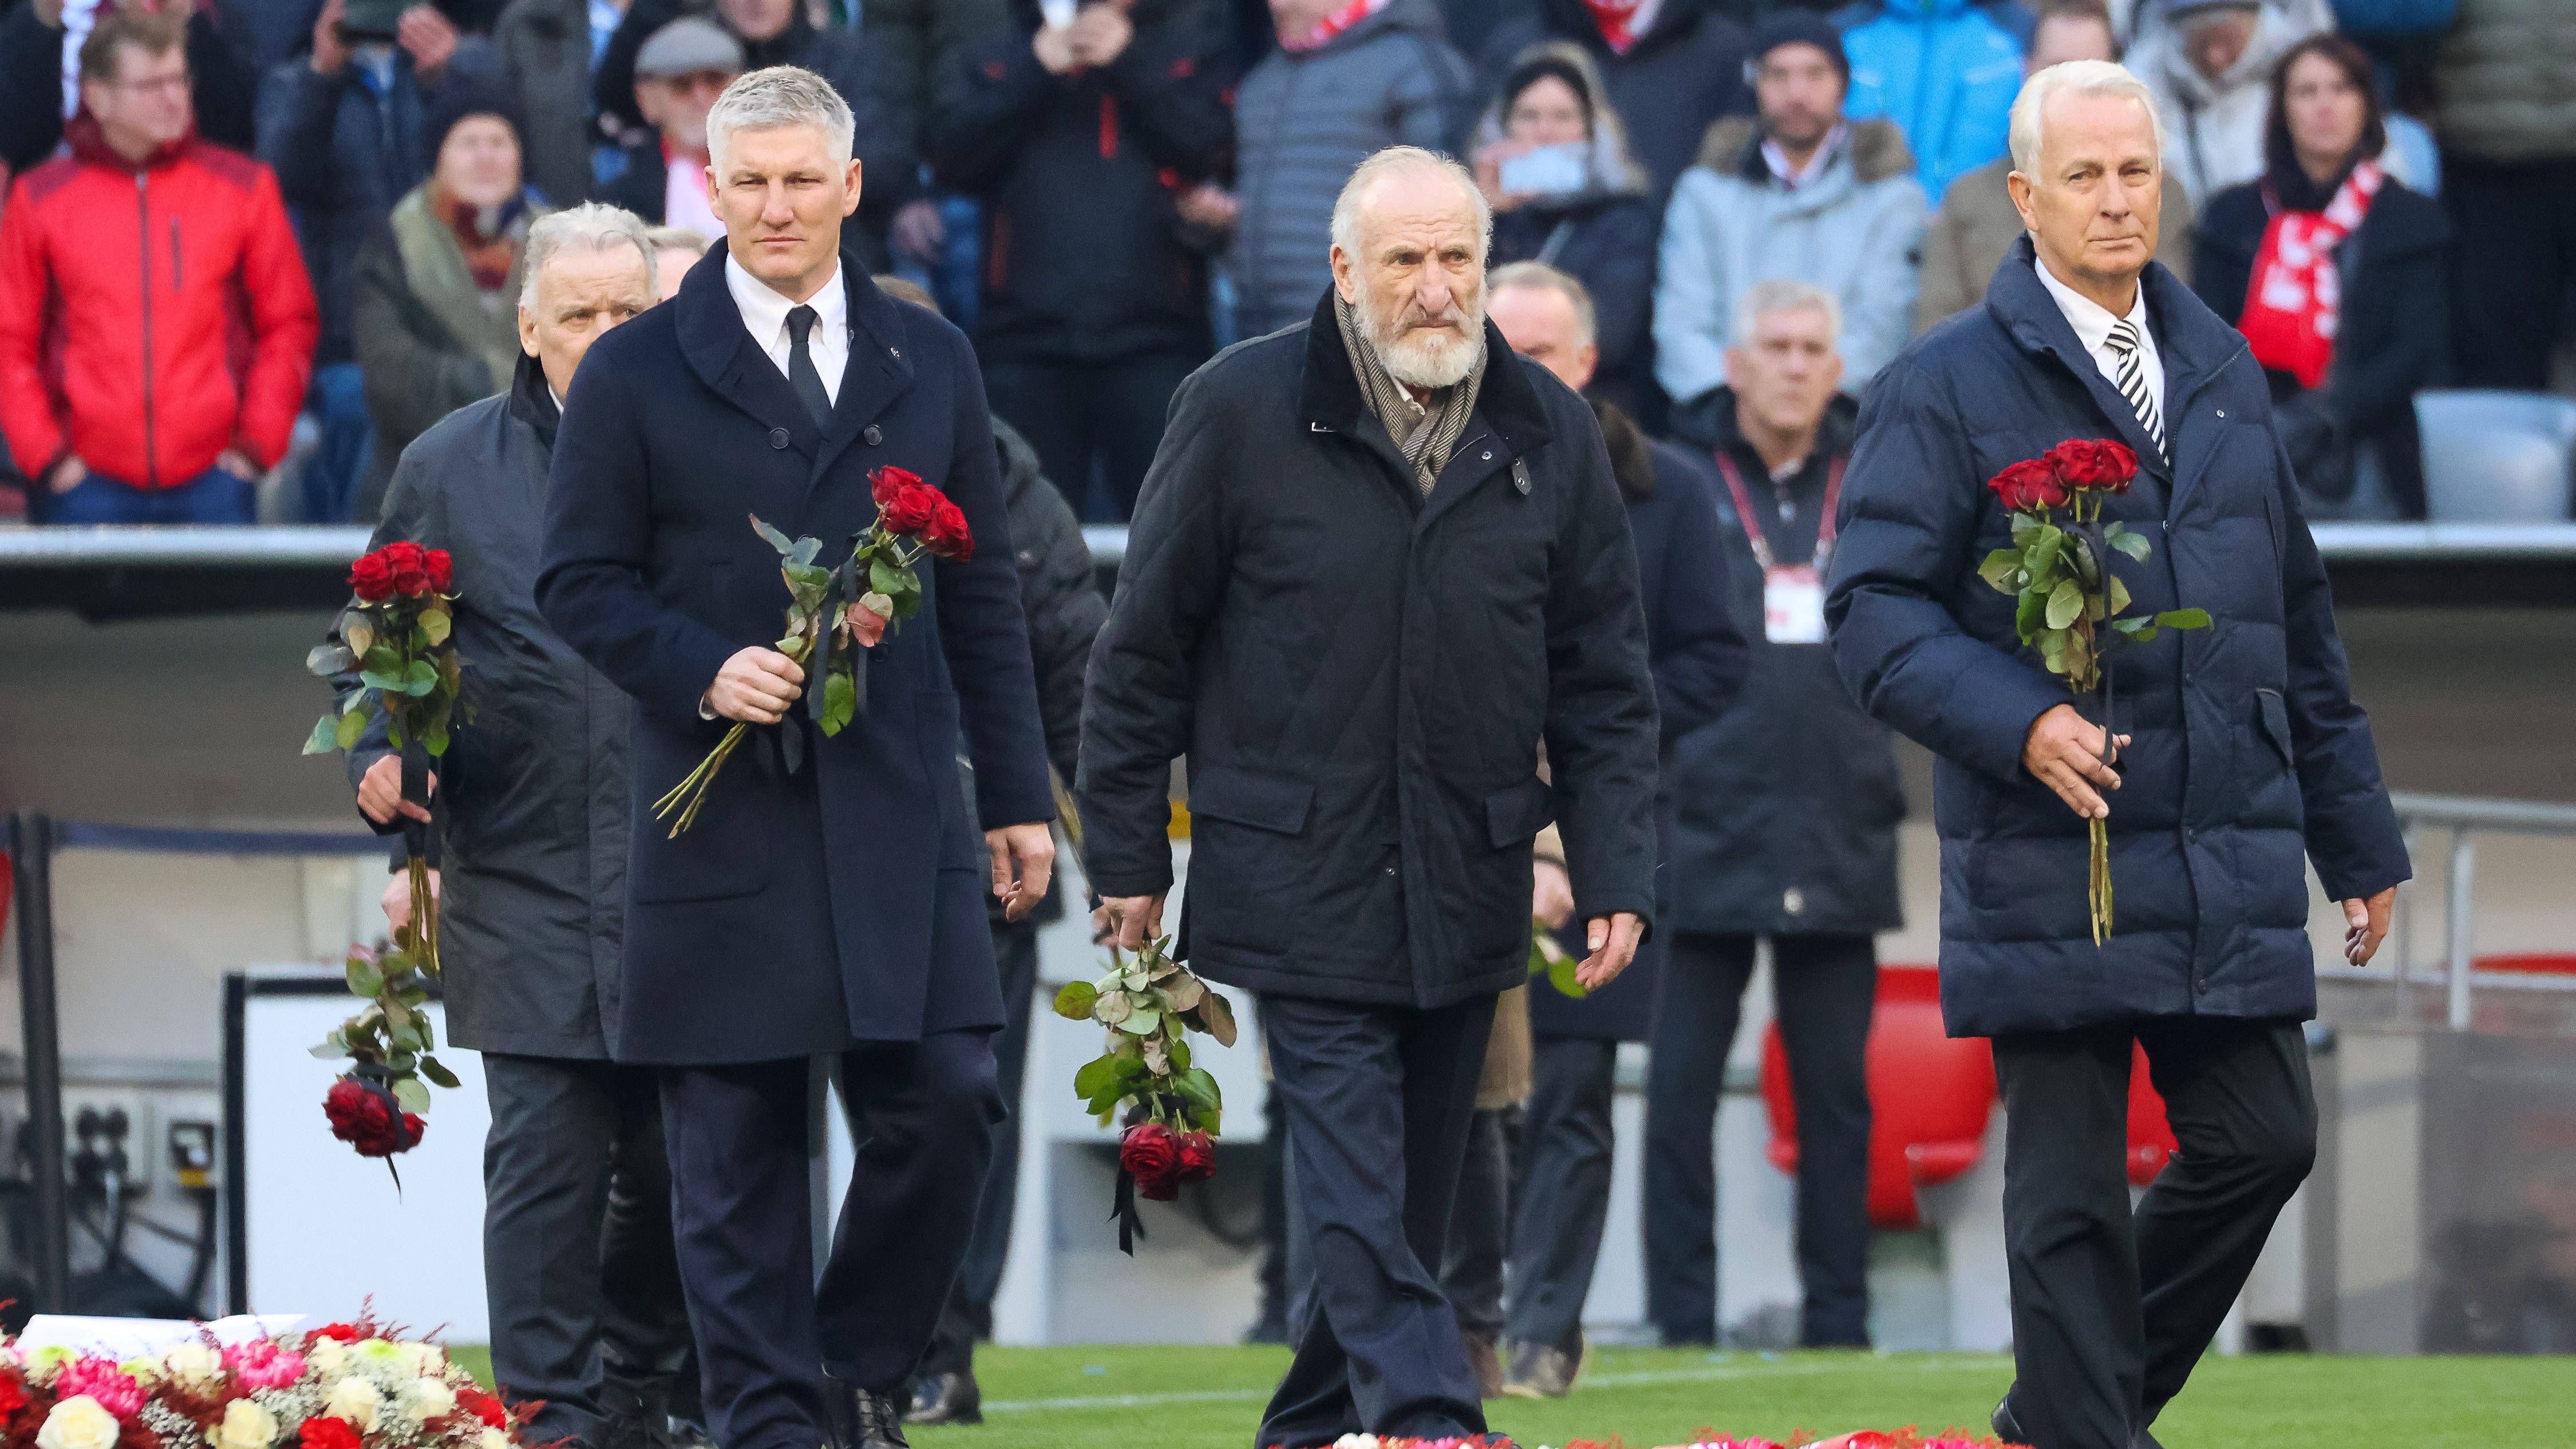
x: 1378, y: 564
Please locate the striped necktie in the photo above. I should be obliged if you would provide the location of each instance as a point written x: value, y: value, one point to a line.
x: 2132, y: 381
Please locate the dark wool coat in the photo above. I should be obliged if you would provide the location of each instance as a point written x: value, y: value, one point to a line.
x: 809, y: 912
x: 2250, y: 752
x: 1669, y: 87
x: 1786, y: 811
x: 1697, y: 652
x: 1362, y: 678
x: 1607, y: 242
x: 533, y: 789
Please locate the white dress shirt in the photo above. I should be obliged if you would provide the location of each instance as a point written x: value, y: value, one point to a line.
x: 764, y: 313
x: 2093, y: 322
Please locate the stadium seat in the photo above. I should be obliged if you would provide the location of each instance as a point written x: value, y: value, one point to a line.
x: 2533, y: 964
x: 1929, y: 1097
x: 2496, y: 457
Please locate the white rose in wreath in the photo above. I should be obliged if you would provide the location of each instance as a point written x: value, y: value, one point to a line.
x: 246, y: 1426
x: 495, y: 1439
x: 329, y: 1355
x: 79, y: 1422
x: 356, y: 1400
x: 421, y: 1360
x: 193, y: 1363
x: 426, y: 1399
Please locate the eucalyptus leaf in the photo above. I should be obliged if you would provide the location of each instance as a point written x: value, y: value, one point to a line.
x: 364, y: 979
x: 1114, y: 1009
x: 329, y: 659
x: 421, y: 678
x: 1183, y: 992
x: 391, y: 680
x: 350, y: 726
x: 1216, y: 1017
x: 325, y: 737
x: 412, y: 1095
x: 1141, y: 1021
x: 2135, y: 545
x: 806, y: 549
x: 1158, y: 1058
x: 2065, y: 603
x: 2184, y: 618
x: 786, y: 546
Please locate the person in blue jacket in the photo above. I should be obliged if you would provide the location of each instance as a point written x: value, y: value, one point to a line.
x: 1945, y: 72
x: 2242, y: 759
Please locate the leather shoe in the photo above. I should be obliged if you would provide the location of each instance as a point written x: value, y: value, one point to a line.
x: 949, y: 1398
x: 862, y: 1418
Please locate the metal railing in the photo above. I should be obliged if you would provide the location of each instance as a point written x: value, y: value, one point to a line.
x: 2463, y: 819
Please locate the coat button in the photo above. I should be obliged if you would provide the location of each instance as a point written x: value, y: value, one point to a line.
x: 778, y: 437
x: 873, y: 435
x: 1489, y: 457
x: 1794, y: 901
x: 1390, y: 870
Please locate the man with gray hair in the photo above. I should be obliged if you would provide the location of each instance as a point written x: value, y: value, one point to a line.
x: 1378, y: 562
x: 2239, y: 757
x: 832, y: 906
x: 577, y: 1256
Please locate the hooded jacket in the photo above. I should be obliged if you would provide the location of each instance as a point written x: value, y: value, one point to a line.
x: 2214, y: 128
x: 146, y: 275
x: 1853, y: 231
x: 1668, y: 86
x: 1945, y: 73
x: 1303, y: 120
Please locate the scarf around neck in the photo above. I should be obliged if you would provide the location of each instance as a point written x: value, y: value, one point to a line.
x: 2294, y: 303
x: 1424, y: 435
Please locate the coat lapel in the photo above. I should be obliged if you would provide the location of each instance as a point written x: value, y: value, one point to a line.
x: 880, y: 366
x: 2030, y: 314
x: 719, y: 349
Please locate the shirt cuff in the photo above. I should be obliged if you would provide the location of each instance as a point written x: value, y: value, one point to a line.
x: 706, y: 711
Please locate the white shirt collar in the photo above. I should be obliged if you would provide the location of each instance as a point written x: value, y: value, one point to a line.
x: 764, y: 309
x: 2091, y: 320
x: 1778, y: 159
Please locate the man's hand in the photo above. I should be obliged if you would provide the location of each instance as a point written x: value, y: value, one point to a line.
x: 756, y: 686
x: 1023, y: 860
x: 1099, y: 35
x: 330, y: 48
x: 2365, y: 925
x: 918, y: 231
x: 397, y: 901
x: 2065, y: 751
x: 1210, y: 206
x: 1613, y: 942
x: 49, y: 13
x: 68, y: 474
x: 380, y: 793
x: 1551, y: 894
x: 429, y: 36
x: 1128, y: 922
x: 1053, y: 46
x: 238, y: 463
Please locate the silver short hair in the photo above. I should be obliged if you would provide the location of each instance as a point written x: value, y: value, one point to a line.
x: 1540, y: 277
x: 777, y: 96
x: 676, y: 239
x: 1780, y: 294
x: 592, y: 226
x: 1346, y: 207
x: 2074, y: 77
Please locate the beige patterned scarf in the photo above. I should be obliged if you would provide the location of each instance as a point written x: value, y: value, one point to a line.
x: 1425, y: 435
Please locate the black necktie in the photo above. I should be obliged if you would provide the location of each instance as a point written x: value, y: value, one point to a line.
x: 801, y: 373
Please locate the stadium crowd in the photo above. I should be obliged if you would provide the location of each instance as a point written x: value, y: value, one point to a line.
x: 329, y: 202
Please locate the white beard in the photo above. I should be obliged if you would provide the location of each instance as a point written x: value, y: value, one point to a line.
x: 1430, y: 357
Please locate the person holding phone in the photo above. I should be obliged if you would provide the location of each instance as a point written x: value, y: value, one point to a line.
x: 1552, y: 159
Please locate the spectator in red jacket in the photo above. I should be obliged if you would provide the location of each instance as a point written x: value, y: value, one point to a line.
x: 144, y: 413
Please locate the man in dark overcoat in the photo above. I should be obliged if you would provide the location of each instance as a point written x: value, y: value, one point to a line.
x: 1377, y: 562
x: 2244, y: 757
x: 830, y: 906
x: 532, y: 803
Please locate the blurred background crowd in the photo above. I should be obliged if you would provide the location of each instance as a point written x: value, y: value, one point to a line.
x: 251, y: 248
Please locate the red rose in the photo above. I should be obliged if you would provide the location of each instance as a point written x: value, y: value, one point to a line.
x: 2095, y: 463
x: 13, y: 1395
x: 362, y: 1117
x: 911, y: 509
x: 889, y: 483
x: 410, y: 567
x: 484, y: 1407
x: 339, y: 1332
x: 321, y: 1433
x: 372, y: 579
x: 1152, y: 1156
x: 442, y: 570
x: 948, y: 535
x: 2029, y: 485
x: 1198, y: 1157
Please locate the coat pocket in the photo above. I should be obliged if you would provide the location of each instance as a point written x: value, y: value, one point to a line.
x: 1274, y: 803
x: 2274, y: 713
x: 1514, y: 815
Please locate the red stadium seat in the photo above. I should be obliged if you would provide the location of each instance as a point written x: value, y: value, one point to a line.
x: 2536, y: 964
x: 1929, y: 1097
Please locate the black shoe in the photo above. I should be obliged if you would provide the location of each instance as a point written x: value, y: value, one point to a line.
x: 946, y: 1399
x: 2007, y: 1428
x: 862, y: 1418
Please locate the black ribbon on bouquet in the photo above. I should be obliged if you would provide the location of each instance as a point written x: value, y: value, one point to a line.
x: 845, y: 590
x: 415, y: 791
x: 2106, y: 638
x: 1122, y: 1211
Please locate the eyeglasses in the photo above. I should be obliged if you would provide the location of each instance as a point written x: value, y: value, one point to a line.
x: 175, y: 84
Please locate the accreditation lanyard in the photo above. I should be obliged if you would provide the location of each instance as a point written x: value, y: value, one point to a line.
x: 1793, y: 595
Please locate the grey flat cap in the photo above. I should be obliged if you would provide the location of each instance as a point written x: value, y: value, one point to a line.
x: 685, y: 47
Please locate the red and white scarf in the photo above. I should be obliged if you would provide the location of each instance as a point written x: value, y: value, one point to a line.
x: 2294, y: 300
x: 1332, y: 25
x: 1622, y: 21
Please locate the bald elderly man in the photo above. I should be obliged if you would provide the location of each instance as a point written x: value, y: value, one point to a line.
x: 1378, y: 562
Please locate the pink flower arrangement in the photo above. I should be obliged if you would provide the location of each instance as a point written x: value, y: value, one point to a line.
x: 262, y: 1364
x: 113, y: 1388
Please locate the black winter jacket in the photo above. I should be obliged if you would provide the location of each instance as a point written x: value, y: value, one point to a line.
x: 1670, y: 86
x: 1785, y: 813
x: 1084, y: 256
x: 2394, y: 335
x: 1362, y: 679
x: 2249, y: 752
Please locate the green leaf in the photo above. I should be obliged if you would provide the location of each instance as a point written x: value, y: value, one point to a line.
x: 1141, y: 1021
x: 435, y: 625
x: 391, y: 679
x: 2024, y: 529
x: 1197, y: 1087
x: 2052, y: 650
x: 329, y: 659
x: 421, y: 678
x: 364, y: 979
x: 2184, y: 618
x: 1113, y: 1008
x: 890, y: 579
x: 1560, y: 974
x: 2119, y: 595
x: 1075, y: 1001
x: 351, y: 725
x: 2002, y: 569
x: 430, y: 1068
x: 806, y: 549
x: 2065, y: 602
x: 2135, y: 545
x: 786, y: 546
x: 325, y: 737
x: 331, y: 1051
x: 1097, y: 1075
x: 358, y: 632
x: 840, y: 701
x: 2045, y: 553
x: 411, y: 1094
x: 1180, y: 1054
x: 2031, y: 615
x: 2139, y: 631
x: 1216, y: 1017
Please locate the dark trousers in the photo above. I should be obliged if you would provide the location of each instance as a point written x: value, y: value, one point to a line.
x: 1480, y: 1226
x: 1378, y: 1101
x: 2512, y: 267
x: 968, y: 1316
x: 577, y: 1258
x: 1563, y: 1201
x: 2112, y: 1308
x: 1076, y: 414
x: 743, y: 1212
x: 1823, y: 987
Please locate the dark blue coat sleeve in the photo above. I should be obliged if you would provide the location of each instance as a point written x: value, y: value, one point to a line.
x: 1907, y: 533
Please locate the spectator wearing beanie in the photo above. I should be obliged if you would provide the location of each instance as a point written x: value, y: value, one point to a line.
x: 1669, y: 67
x: 38, y: 36
x: 1945, y: 72
x: 678, y: 75
x: 2506, y: 79
x: 1078, y: 139
x: 2211, y: 72
x: 141, y: 418
x: 438, y: 287
x: 1797, y: 194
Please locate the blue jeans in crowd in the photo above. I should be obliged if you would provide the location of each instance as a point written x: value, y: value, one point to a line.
x: 213, y: 496
x: 338, y: 399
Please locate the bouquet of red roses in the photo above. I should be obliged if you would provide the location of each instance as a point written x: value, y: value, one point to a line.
x: 2068, y: 600
x: 1147, y: 1004
x: 833, y: 612
x: 395, y: 637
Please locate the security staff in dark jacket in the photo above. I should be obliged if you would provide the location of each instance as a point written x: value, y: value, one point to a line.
x: 532, y: 794
x: 1698, y: 656
x: 1784, y: 829
x: 2244, y: 753
x: 1378, y: 562
x: 1077, y: 139
x: 836, y: 909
